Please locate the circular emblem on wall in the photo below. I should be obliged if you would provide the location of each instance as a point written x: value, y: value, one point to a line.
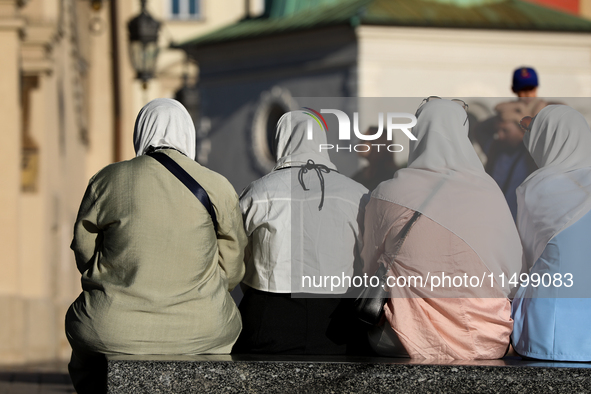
x: 268, y: 110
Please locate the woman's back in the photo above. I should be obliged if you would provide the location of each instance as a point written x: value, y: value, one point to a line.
x: 432, y: 316
x: 552, y: 309
x: 151, y: 276
x: 303, y: 221
x: 552, y: 319
x: 294, y: 243
x: 461, y: 246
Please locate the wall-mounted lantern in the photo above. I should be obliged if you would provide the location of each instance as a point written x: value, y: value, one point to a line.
x: 143, y: 44
x: 96, y: 4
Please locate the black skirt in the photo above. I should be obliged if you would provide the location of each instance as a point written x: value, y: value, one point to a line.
x: 274, y: 323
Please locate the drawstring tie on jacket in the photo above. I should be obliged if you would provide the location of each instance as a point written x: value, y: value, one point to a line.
x: 319, y: 168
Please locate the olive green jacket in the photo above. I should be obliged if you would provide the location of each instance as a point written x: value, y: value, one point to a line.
x: 155, y: 279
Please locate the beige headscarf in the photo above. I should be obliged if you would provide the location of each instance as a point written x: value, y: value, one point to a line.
x: 559, y: 193
x: 164, y: 122
x: 446, y: 182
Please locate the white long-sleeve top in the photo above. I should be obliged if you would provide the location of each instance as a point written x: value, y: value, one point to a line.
x: 300, y: 240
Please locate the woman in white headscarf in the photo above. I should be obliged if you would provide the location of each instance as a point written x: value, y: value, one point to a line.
x: 552, y: 309
x: 155, y: 275
x: 303, y: 225
x: 460, y: 246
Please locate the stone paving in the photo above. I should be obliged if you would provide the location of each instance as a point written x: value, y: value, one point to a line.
x: 49, y: 378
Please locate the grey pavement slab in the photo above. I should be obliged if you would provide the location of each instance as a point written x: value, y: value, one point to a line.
x: 47, y: 378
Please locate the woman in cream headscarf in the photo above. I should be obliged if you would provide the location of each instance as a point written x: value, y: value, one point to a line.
x: 302, y: 221
x: 552, y: 309
x: 465, y: 231
x: 155, y: 275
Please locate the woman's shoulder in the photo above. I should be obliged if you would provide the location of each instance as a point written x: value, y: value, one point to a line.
x: 386, y: 206
x: 274, y: 183
x: 395, y: 216
x: 211, y: 181
x: 113, y: 170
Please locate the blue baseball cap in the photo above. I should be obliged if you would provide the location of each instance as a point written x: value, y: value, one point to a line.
x: 524, y: 78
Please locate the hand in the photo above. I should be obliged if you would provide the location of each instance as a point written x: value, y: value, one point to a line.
x: 526, y: 123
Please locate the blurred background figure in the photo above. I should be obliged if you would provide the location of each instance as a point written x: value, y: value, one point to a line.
x: 380, y: 162
x: 508, y: 162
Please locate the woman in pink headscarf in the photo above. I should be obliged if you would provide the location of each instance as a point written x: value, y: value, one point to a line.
x: 465, y: 231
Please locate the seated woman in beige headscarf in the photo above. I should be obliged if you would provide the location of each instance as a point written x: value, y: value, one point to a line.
x: 155, y: 274
x: 460, y: 246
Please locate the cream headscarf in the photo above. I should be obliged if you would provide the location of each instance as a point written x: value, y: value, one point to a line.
x: 292, y: 146
x: 559, y: 193
x: 446, y: 182
x: 164, y: 122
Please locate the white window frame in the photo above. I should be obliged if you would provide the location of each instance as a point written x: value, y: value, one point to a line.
x: 184, y: 14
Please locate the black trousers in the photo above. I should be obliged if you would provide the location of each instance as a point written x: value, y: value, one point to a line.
x: 274, y: 323
x: 88, y: 373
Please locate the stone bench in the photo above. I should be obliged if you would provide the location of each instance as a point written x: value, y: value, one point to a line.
x: 339, y: 374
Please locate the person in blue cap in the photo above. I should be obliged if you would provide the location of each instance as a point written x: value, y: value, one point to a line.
x: 508, y: 162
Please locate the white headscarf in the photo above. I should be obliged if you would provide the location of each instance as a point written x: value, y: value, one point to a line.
x: 446, y: 182
x: 559, y: 193
x: 292, y: 146
x: 164, y: 122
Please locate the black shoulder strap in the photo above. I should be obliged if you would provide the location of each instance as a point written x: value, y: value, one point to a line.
x: 403, y: 234
x: 188, y: 181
